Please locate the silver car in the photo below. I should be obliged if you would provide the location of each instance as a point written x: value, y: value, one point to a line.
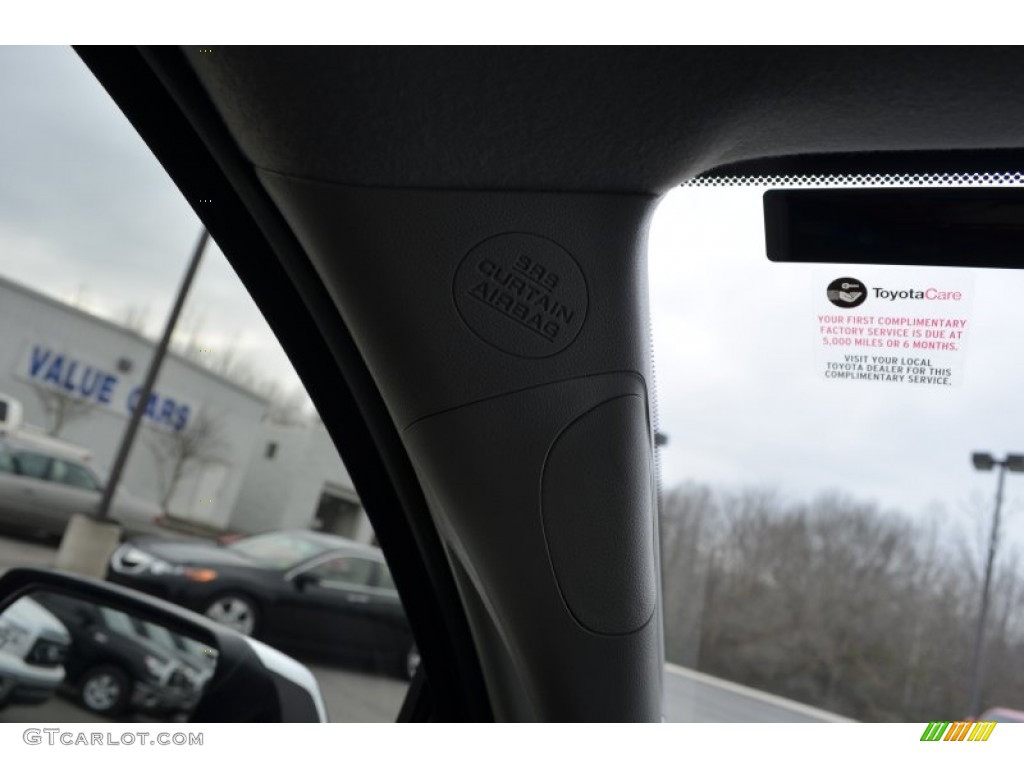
x: 40, y: 492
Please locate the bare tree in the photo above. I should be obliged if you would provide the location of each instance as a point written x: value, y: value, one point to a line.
x: 287, y: 408
x: 79, y: 298
x: 61, y: 409
x: 134, y: 317
x: 178, y: 454
x: 187, y: 339
x: 836, y: 602
x: 686, y: 514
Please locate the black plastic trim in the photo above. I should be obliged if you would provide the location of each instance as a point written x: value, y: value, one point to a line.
x: 161, y: 97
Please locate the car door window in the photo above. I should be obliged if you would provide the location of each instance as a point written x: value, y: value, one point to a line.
x: 344, y: 571
x: 33, y: 465
x: 69, y: 473
x: 117, y: 621
x: 78, y: 329
x: 384, y: 580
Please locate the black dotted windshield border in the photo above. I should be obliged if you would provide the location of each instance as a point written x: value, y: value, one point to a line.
x: 1008, y: 178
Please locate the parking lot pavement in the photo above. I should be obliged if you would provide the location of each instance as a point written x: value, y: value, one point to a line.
x: 24, y: 552
x: 352, y: 696
x: 56, y: 710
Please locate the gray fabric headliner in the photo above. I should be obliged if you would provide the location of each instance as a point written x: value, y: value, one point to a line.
x: 598, y: 119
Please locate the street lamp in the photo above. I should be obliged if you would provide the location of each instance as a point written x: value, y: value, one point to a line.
x: 984, y: 462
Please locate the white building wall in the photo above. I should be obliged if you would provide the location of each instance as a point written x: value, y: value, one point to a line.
x: 321, y: 469
x: 244, y: 490
x: 284, y: 491
x: 267, y: 483
x: 29, y: 320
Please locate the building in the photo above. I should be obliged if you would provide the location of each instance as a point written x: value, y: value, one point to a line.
x: 292, y: 471
x: 205, y: 451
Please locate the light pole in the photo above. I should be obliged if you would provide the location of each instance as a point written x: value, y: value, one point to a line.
x: 90, y: 540
x: 984, y: 463
x: 128, y: 438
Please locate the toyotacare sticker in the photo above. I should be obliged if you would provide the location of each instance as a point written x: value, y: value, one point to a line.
x: 901, y: 326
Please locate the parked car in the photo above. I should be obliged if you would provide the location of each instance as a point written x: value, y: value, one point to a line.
x: 33, y: 647
x: 112, y: 669
x: 40, y: 491
x: 198, y: 661
x: 303, y: 591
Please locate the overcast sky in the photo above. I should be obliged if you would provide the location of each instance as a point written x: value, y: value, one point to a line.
x: 744, y: 399
x: 87, y: 213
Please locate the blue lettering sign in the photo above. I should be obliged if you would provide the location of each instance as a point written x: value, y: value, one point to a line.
x: 106, y: 389
x: 161, y: 410
x: 167, y: 412
x: 69, y: 376
x: 39, y: 358
x: 90, y: 380
x: 66, y: 373
x: 56, y: 368
x: 181, y: 420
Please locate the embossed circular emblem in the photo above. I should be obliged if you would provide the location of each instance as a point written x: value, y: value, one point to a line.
x: 522, y: 293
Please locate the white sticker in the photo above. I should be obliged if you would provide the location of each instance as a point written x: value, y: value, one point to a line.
x: 897, y: 325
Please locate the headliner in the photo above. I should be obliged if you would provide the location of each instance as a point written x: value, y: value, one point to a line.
x: 600, y: 119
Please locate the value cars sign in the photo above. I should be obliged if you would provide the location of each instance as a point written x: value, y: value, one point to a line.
x: 83, y: 380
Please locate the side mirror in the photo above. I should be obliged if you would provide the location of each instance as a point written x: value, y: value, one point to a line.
x: 305, y: 579
x: 83, y: 618
x: 250, y: 681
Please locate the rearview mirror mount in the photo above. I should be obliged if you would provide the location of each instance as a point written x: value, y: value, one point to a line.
x: 917, y: 227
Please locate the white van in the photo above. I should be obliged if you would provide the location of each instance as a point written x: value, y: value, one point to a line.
x: 10, y: 414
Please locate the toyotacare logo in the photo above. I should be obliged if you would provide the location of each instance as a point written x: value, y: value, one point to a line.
x: 847, y: 292
x: 929, y: 294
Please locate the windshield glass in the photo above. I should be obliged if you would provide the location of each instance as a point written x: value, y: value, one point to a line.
x: 824, y: 528
x: 118, y: 621
x: 278, y: 550
x: 158, y: 634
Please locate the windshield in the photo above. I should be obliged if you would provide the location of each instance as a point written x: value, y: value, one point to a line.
x: 118, y: 621
x: 278, y: 550
x: 158, y: 634
x: 824, y: 525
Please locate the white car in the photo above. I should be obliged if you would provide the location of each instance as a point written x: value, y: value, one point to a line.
x: 33, y: 647
x: 41, y: 491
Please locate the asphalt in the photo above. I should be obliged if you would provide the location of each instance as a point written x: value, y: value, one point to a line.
x: 693, y: 697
